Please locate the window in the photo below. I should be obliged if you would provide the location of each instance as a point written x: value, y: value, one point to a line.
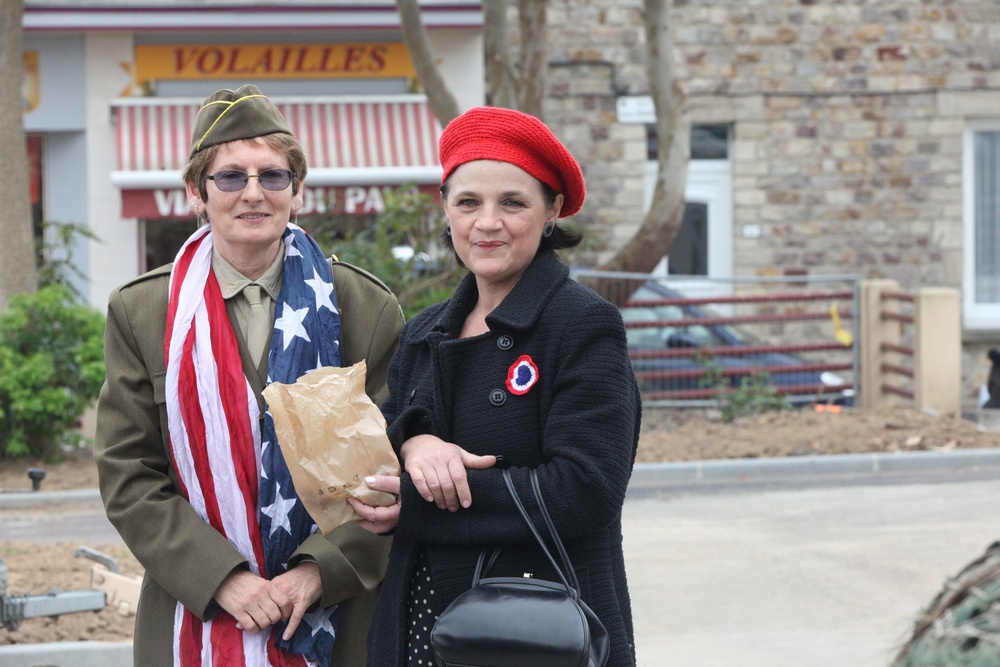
x: 981, y: 205
x: 163, y: 239
x: 688, y: 254
x: 708, y: 142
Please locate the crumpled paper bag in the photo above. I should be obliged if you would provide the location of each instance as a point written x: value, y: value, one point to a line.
x: 332, y: 436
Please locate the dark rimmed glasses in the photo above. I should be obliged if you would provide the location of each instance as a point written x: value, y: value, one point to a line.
x: 232, y: 180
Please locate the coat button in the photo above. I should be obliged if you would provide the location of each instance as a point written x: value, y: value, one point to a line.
x: 505, y: 342
x: 498, y: 397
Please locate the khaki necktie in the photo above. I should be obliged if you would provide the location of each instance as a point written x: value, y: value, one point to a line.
x: 259, y: 323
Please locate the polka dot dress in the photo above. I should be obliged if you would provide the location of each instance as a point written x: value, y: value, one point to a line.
x: 421, y: 604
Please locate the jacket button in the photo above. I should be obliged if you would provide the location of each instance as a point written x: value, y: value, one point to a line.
x: 498, y: 397
x: 505, y: 342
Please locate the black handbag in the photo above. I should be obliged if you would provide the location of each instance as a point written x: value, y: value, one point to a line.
x: 521, y: 621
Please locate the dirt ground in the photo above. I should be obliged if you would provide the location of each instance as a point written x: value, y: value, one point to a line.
x: 667, y: 435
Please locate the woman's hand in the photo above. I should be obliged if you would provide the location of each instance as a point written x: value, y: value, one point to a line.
x: 437, y: 469
x: 295, y: 591
x: 247, y: 598
x: 378, y: 520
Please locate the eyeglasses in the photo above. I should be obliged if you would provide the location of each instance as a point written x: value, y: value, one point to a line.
x: 234, y: 181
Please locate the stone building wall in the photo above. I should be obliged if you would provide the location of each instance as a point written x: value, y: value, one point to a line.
x: 847, y: 122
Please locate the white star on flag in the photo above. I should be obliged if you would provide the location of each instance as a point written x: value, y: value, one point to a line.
x: 323, y: 291
x: 318, y: 621
x: 290, y: 324
x: 278, y: 511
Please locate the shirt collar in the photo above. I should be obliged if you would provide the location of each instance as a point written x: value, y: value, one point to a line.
x: 232, y: 282
x: 519, y: 310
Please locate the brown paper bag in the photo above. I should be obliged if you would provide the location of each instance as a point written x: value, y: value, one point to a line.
x: 332, y: 436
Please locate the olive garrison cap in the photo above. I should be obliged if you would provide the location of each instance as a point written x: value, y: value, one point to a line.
x: 229, y: 115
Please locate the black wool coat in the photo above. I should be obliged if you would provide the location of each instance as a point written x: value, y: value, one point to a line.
x: 578, y: 424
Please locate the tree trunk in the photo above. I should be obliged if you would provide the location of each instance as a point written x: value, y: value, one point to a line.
x: 440, y: 98
x: 17, y: 250
x: 673, y: 129
x: 533, y: 22
x: 501, y: 82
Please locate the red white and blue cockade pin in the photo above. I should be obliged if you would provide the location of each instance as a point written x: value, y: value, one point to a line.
x: 522, y: 375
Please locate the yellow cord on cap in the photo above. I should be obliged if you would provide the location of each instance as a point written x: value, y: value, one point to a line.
x: 230, y: 105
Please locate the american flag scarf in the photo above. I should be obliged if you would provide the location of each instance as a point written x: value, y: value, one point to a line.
x: 231, y: 472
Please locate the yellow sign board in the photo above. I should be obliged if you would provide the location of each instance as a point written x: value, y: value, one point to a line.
x: 29, y: 87
x: 272, y: 61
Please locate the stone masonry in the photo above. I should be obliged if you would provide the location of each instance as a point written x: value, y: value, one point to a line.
x: 847, y: 122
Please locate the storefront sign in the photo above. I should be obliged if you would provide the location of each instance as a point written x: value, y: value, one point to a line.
x: 357, y: 200
x: 272, y: 61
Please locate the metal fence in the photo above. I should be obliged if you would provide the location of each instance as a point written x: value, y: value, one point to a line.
x: 694, y: 340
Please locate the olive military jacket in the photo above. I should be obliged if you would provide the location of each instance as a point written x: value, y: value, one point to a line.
x: 184, y: 558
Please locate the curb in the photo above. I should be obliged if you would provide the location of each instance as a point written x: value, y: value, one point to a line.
x: 649, y: 474
x: 67, y: 654
x: 45, y: 498
x: 815, y: 464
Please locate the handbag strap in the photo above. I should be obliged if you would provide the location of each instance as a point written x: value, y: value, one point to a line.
x: 572, y: 584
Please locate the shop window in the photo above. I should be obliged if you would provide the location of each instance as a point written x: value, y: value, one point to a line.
x: 162, y: 240
x: 34, y: 144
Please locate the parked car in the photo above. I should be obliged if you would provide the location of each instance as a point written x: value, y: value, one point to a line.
x: 675, y: 357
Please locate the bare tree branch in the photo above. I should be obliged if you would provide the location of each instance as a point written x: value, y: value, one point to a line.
x: 415, y: 36
x: 17, y: 251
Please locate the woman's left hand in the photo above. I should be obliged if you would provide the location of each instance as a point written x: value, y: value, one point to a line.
x: 379, y: 520
x: 437, y: 469
x: 295, y: 591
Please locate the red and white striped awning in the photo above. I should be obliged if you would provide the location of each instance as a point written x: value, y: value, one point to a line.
x: 349, y: 142
x: 336, y: 133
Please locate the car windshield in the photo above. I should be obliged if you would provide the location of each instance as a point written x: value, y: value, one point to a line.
x: 659, y: 336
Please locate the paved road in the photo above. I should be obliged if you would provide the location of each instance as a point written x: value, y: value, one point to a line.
x: 756, y: 568
x: 798, y: 572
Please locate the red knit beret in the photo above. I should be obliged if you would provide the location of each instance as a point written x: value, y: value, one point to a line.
x: 505, y: 135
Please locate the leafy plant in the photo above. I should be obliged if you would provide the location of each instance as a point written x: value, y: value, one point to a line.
x: 401, y: 246
x: 51, y: 369
x: 754, y: 395
x: 55, y: 254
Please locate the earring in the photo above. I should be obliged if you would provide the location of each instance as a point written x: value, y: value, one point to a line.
x: 447, y: 230
x: 548, y: 229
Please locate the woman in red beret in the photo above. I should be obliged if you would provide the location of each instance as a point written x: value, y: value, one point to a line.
x: 521, y: 368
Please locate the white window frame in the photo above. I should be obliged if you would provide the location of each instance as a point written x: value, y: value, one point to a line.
x: 975, y: 315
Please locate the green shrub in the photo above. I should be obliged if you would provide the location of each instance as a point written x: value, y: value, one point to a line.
x: 51, y: 369
x: 755, y: 394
